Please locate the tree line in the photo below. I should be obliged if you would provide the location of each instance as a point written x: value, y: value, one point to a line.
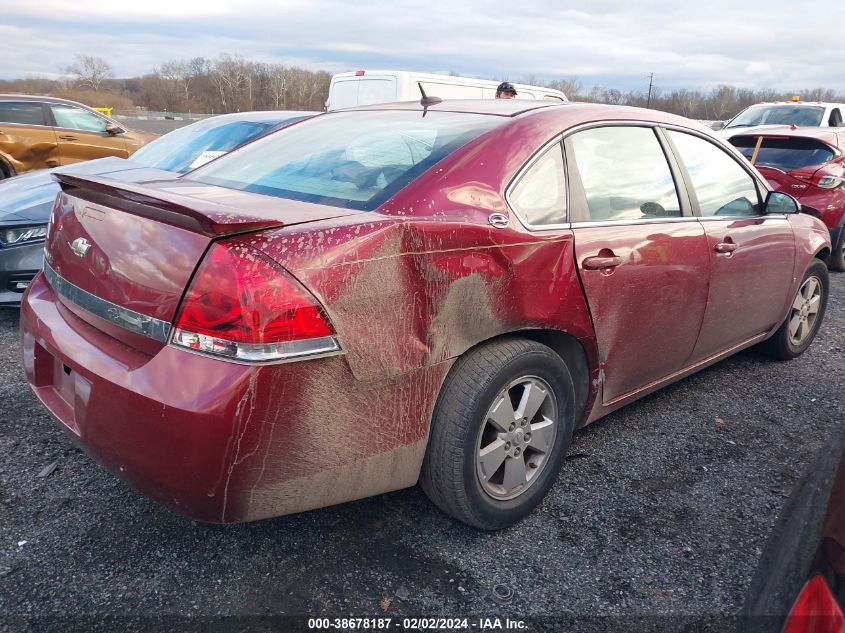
x: 232, y: 83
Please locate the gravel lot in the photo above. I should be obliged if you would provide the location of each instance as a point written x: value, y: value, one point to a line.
x: 663, y: 508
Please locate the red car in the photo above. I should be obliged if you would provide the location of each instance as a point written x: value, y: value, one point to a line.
x: 808, y: 163
x: 438, y: 292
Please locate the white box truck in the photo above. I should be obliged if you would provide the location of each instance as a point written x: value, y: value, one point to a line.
x: 365, y: 87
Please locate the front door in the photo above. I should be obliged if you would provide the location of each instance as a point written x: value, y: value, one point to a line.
x: 751, y: 254
x: 642, y: 257
x: 82, y: 135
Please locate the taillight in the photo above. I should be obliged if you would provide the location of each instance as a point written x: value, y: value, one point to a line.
x: 829, y: 182
x: 815, y: 611
x: 243, y: 306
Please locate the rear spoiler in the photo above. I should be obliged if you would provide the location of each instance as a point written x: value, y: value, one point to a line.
x: 195, y: 215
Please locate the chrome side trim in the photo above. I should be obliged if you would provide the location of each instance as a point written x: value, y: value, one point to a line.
x: 634, y: 221
x: 135, y: 322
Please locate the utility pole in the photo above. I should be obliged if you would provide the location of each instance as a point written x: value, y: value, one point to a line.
x: 650, y: 84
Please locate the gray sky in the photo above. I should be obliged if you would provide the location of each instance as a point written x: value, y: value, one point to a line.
x: 775, y: 44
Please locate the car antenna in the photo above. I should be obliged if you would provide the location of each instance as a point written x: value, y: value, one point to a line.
x: 426, y: 100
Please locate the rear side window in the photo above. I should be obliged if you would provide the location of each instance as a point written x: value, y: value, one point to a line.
x: 539, y: 196
x: 355, y: 160
x: 625, y: 174
x: 26, y: 113
x: 784, y: 153
x: 721, y: 185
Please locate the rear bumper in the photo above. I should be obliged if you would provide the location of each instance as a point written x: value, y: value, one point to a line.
x: 220, y: 441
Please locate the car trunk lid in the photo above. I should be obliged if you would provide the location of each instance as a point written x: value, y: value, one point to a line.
x: 121, y: 255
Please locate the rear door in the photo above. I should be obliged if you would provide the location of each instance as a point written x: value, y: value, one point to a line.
x: 82, y: 135
x: 641, y: 255
x: 751, y: 254
x: 27, y: 141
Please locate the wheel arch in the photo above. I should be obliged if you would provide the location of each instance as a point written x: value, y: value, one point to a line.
x: 6, y: 167
x: 570, y: 349
x: 823, y: 254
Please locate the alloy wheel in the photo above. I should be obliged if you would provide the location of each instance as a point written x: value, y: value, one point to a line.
x: 517, y: 437
x: 805, y: 311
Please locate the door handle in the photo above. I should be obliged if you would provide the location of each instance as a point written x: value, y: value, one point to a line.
x: 601, y: 263
x: 725, y: 247
x: 68, y: 138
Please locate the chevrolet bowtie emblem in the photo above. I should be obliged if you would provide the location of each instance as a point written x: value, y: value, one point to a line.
x: 80, y: 246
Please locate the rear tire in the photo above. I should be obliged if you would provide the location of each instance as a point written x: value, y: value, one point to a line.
x: 805, y: 316
x: 837, y: 257
x: 500, y: 431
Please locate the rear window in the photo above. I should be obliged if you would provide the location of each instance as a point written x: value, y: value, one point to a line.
x: 360, y: 92
x: 810, y: 116
x: 355, y: 160
x: 194, y: 145
x: 784, y: 153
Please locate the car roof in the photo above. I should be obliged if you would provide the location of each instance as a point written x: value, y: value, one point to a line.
x: 264, y: 115
x: 17, y: 97
x: 496, y: 107
x: 829, y: 135
x: 815, y: 104
x: 573, y: 112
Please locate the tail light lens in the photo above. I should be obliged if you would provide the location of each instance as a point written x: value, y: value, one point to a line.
x: 815, y: 611
x: 243, y: 306
x: 829, y: 182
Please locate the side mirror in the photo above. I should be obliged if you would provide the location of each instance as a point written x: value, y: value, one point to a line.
x: 779, y: 202
x: 112, y: 129
x: 717, y: 125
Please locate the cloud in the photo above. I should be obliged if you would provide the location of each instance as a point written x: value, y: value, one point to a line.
x: 611, y: 42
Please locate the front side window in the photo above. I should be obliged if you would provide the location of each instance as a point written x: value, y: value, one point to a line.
x: 539, y: 196
x: 74, y: 118
x: 625, y: 174
x: 22, y: 112
x: 355, y: 160
x: 720, y: 184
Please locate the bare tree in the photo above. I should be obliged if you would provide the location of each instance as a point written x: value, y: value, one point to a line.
x: 89, y: 70
x: 279, y: 83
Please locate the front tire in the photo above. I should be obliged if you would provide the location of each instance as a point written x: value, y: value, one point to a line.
x: 805, y: 315
x: 500, y: 432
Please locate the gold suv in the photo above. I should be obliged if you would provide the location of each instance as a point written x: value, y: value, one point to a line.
x: 40, y: 132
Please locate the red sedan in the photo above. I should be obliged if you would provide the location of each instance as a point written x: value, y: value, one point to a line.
x: 808, y: 163
x: 438, y: 293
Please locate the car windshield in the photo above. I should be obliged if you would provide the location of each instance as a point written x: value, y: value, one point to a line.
x: 194, y: 145
x: 355, y: 160
x: 810, y: 116
x: 784, y: 153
